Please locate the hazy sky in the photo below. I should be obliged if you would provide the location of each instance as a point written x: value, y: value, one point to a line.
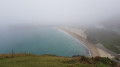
x: 57, y: 11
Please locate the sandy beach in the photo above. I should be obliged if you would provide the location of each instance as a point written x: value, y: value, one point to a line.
x: 81, y: 36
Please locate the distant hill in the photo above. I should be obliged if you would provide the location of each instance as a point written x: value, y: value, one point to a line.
x: 107, y: 33
x: 112, y: 24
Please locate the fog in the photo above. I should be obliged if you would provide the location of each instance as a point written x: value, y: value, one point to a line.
x: 27, y: 24
x: 57, y: 12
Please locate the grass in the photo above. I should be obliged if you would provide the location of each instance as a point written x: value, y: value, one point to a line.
x: 112, y: 44
x: 29, y: 60
x: 109, y: 39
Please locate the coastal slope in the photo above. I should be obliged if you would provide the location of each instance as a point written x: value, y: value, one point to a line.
x: 30, y: 60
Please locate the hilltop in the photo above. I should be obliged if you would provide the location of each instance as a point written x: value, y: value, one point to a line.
x: 30, y: 60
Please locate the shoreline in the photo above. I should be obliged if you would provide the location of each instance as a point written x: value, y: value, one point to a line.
x: 80, y: 36
x: 76, y: 40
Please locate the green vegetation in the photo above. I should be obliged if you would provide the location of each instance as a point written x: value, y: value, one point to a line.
x: 108, y: 38
x: 29, y: 60
x: 116, y: 58
x: 112, y: 44
x: 108, y: 34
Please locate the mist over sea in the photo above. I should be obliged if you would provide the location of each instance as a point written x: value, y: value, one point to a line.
x: 39, y: 40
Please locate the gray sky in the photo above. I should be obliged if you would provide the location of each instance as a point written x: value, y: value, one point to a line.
x: 57, y: 11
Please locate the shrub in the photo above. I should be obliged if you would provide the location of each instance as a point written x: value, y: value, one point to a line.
x: 97, y: 58
x: 76, y: 56
x: 83, y: 58
x: 116, y: 58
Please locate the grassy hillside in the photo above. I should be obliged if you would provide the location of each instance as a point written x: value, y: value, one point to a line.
x: 107, y: 33
x: 108, y: 38
x: 27, y: 60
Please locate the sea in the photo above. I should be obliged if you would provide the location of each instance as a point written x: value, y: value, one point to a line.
x: 39, y: 41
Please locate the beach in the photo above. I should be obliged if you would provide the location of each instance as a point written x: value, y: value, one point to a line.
x: 81, y: 36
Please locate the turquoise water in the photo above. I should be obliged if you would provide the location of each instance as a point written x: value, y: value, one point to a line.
x: 40, y: 41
